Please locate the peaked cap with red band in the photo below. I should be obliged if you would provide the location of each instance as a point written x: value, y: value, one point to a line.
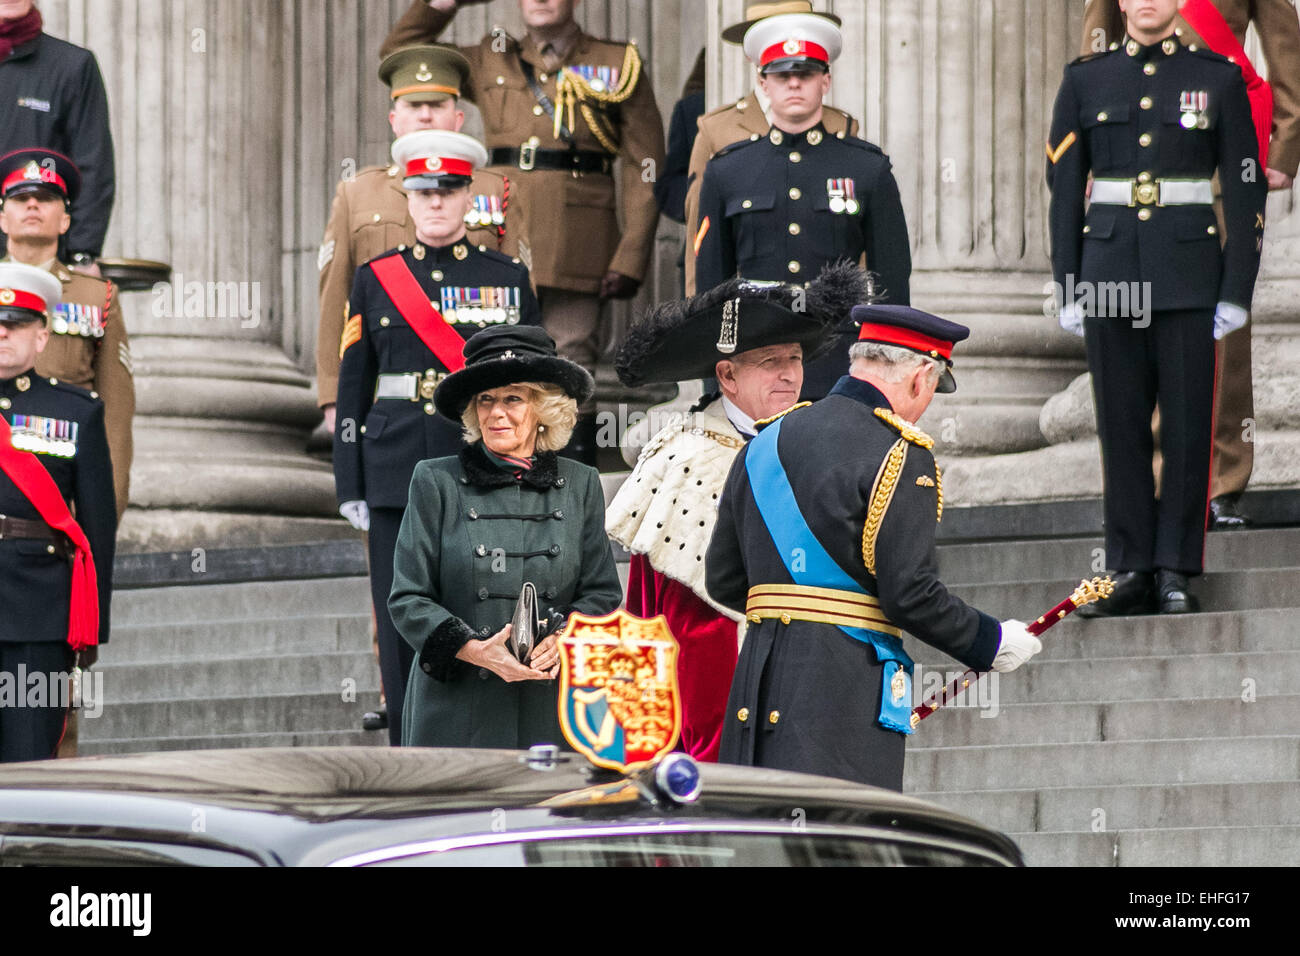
x: 27, y: 294
x: 437, y: 158
x: 912, y: 329
x: 792, y: 42
x: 39, y: 170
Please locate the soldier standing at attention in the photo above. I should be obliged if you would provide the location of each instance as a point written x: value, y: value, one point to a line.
x: 88, y: 345
x: 1152, y: 121
x: 742, y: 119
x: 1275, y: 107
x: 783, y: 205
x: 413, y: 308
x: 369, y: 214
x: 56, y: 571
x: 559, y: 106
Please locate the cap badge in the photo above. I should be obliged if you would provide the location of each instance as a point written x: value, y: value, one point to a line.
x: 791, y: 46
x: 32, y: 171
x: 423, y: 75
x: 433, y: 163
x: 7, y: 296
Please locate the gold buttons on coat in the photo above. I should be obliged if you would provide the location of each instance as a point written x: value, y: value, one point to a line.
x: 1145, y: 102
x: 795, y: 192
x: 1103, y: 116
x: 436, y: 275
x: 794, y: 229
x: 1211, y: 230
x: 773, y: 717
x: 384, y: 321
x: 785, y: 618
x: 6, y: 404
x: 794, y: 267
x: 428, y: 408
x: 537, y: 111
x: 742, y: 715
x: 1144, y: 139
x: 1144, y: 214
x: 1144, y: 177
x: 747, y: 204
x: 1149, y: 69
x: 795, y: 157
x: 375, y: 217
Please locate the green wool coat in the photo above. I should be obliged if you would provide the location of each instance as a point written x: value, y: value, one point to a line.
x: 472, y: 535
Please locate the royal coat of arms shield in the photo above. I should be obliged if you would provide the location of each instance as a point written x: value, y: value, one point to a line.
x: 619, y: 701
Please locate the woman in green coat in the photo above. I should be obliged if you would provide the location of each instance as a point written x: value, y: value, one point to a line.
x: 506, y: 511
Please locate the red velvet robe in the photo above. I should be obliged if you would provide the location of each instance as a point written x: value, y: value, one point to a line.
x: 708, y: 652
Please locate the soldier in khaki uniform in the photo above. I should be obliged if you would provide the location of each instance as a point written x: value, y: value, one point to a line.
x: 1278, y: 29
x: 88, y: 344
x: 742, y: 119
x: 559, y: 106
x: 369, y: 215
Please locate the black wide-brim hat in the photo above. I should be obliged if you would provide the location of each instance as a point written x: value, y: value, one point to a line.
x: 510, y: 355
x: 682, y: 340
x: 53, y: 172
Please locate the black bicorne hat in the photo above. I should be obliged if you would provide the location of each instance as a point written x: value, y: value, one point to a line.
x: 510, y: 355
x: 685, y: 339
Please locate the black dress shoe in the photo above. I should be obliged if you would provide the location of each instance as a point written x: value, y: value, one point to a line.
x: 1134, y: 594
x: 375, y: 719
x: 1225, y: 513
x: 1171, y: 590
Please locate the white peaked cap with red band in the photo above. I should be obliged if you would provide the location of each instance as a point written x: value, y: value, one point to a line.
x: 793, y: 36
x: 437, y: 158
x: 27, y: 287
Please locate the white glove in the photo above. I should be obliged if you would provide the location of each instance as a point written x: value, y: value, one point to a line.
x: 1017, y: 646
x: 1071, y: 319
x: 1228, y: 318
x: 357, y: 513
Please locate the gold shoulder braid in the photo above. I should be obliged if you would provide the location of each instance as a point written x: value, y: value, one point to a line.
x: 882, y: 493
x: 771, y: 418
x: 905, y: 428
x: 938, y: 486
x: 572, y: 90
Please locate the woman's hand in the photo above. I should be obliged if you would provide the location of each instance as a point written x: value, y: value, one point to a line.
x: 546, y: 657
x: 492, y: 654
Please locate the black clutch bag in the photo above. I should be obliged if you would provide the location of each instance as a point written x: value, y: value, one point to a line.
x: 526, y: 626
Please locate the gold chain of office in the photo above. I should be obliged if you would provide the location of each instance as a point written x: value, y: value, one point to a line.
x: 574, y: 94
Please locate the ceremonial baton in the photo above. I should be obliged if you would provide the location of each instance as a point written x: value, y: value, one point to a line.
x: 1098, y: 589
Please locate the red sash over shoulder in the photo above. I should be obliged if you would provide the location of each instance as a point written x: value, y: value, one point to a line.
x: 1205, y: 18
x: 27, y: 472
x: 426, y: 321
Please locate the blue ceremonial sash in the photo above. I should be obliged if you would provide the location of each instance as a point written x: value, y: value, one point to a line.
x: 814, y: 567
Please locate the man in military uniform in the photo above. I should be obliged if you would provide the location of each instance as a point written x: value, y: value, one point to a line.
x: 88, y: 346
x: 783, y: 205
x: 52, y: 95
x: 369, y: 214
x: 1275, y: 106
x: 750, y: 335
x: 413, y: 308
x: 825, y: 542
x: 744, y: 118
x: 56, y: 572
x: 559, y: 106
x: 1142, y: 277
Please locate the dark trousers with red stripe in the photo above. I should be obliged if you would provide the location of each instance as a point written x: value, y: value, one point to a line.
x: 395, y: 655
x: 31, y: 708
x: 1167, y: 364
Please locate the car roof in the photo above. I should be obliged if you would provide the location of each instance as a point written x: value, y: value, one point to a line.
x: 320, y: 784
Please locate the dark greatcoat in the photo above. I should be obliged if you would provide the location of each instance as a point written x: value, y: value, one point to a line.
x: 806, y: 696
x: 472, y: 535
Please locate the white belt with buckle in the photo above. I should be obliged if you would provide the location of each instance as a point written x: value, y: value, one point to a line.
x: 1158, y: 192
x: 408, y: 386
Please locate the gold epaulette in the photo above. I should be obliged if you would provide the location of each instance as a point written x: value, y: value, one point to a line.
x: 882, y: 493
x: 905, y: 428
x: 771, y: 418
x: 573, y: 92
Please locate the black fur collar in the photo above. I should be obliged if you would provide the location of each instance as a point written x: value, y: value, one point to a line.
x: 483, y: 473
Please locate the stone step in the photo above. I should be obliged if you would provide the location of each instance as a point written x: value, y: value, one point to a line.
x: 1092, y: 722
x: 241, y: 677
x: 1061, y: 809
x: 1181, y: 847
x: 232, y: 602
x: 1217, y: 591
x: 200, y: 715
x: 1269, y: 673
x: 251, y: 638
x: 1010, y: 561
x: 1157, y: 635
x: 1113, y: 763
x: 332, y: 738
